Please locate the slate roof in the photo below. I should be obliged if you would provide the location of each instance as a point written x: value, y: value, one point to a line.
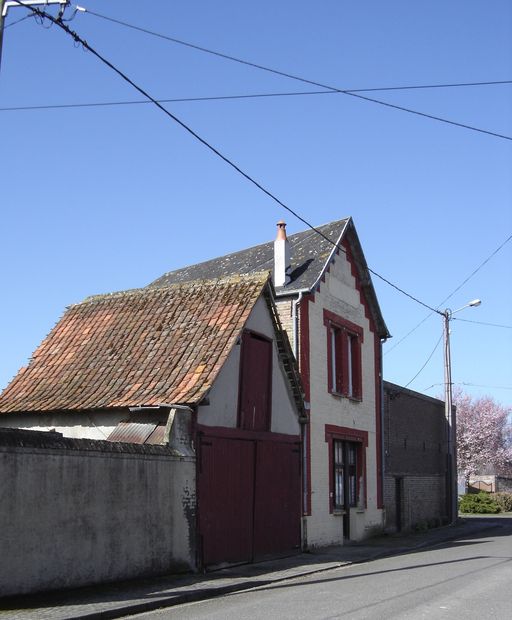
x: 309, y: 255
x: 142, y: 347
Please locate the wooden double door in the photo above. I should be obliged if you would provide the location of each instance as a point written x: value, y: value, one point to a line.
x: 248, y: 496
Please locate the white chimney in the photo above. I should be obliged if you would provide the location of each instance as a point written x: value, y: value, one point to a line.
x: 282, y: 266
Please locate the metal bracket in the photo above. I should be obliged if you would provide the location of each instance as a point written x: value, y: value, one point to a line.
x: 21, y: 3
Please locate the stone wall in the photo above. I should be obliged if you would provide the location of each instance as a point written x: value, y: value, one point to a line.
x: 77, y: 512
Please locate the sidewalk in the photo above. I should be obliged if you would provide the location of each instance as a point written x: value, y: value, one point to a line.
x: 121, y: 599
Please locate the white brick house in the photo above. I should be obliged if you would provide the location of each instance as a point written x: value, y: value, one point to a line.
x: 328, y: 306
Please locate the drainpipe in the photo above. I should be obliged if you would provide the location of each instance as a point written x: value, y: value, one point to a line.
x: 303, y: 425
x: 382, y: 443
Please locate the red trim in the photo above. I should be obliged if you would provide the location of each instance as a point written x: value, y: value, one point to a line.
x: 378, y: 421
x: 238, y: 433
x: 362, y: 296
x: 347, y: 330
x: 304, y: 367
x: 332, y: 317
x: 344, y: 433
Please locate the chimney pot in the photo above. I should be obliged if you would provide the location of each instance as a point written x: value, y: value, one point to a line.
x: 282, y: 261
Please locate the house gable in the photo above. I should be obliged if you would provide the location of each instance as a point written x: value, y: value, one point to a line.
x: 142, y: 347
x: 223, y: 400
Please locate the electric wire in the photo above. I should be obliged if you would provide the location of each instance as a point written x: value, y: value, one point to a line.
x: 484, y: 262
x: 456, y: 318
x: 300, y: 79
x: 214, y: 98
x: 490, y: 387
x: 17, y: 21
x: 228, y: 161
x: 426, y: 362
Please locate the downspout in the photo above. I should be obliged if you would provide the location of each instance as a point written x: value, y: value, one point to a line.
x: 382, y: 443
x: 303, y: 426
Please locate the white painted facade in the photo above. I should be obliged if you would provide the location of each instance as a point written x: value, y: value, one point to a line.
x: 338, y: 294
x: 223, y: 397
x: 86, y: 425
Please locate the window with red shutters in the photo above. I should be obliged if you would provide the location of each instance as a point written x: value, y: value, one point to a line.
x: 344, y: 364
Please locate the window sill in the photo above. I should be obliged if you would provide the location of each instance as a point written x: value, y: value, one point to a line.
x: 353, y: 399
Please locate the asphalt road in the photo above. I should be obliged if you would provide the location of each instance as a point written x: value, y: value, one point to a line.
x: 465, y: 578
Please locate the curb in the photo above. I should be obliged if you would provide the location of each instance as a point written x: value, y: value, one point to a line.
x: 212, y: 592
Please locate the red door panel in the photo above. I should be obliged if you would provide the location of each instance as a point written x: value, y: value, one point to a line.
x: 225, y: 493
x: 256, y: 381
x: 277, y: 499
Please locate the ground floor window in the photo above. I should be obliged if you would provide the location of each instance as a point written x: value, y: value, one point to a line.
x: 347, y: 466
x: 345, y: 474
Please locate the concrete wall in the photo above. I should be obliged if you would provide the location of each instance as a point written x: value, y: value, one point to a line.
x: 414, y: 453
x: 78, y: 512
x: 223, y: 397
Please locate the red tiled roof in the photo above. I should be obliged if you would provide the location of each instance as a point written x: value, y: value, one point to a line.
x: 141, y: 347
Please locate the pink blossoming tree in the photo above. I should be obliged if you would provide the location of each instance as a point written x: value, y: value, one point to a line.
x: 484, y: 435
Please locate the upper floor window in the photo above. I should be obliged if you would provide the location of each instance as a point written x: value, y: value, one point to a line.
x: 344, y: 341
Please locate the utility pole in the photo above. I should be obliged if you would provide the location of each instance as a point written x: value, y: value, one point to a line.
x: 451, y: 416
x: 1, y: 28
x: 5, y: 5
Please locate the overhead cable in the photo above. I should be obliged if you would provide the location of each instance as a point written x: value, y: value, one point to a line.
x: 17, y: 21
x: 426, y: 362
x: 456, y: 318
x: 220, y: 97
x: 228, y: 161
x: 484, y: 262
x: 291, y: 76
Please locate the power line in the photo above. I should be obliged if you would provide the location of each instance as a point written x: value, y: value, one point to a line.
x: 490, y: 387
x: 426, y: 362
x: 228, y: 161
x: 229, y: 97
x: 484, y: 262
x: 17, y: 21
x: 350, y: 93
x: 408, y: 333
x: 456, y: 318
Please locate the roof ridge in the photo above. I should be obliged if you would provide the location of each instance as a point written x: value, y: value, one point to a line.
x: 306, y: 233
x: 256, y: 276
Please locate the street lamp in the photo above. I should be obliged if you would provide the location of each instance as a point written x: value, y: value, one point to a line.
x: 451, y: 417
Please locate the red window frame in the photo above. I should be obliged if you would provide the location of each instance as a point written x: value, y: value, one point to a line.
x: 344, y: 360
x: 360, y: 439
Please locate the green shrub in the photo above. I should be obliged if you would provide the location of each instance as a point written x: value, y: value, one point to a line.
x: 479, y: 503
x: 504, y: 501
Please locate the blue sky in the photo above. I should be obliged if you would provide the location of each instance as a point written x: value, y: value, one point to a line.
x: 101, y: 199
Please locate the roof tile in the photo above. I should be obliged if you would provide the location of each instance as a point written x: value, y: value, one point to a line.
x: 140, y: 347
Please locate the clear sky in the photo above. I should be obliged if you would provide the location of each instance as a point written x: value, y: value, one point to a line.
x: 99, y: 199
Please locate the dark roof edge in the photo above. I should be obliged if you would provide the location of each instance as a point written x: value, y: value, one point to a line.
x: 332, y: 254
x: 364, y: 274
x: 389, y: 386
x: 366, y: 278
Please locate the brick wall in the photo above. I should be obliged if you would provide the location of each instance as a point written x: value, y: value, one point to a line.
x: 422, y: 501
x: 415, y: 458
